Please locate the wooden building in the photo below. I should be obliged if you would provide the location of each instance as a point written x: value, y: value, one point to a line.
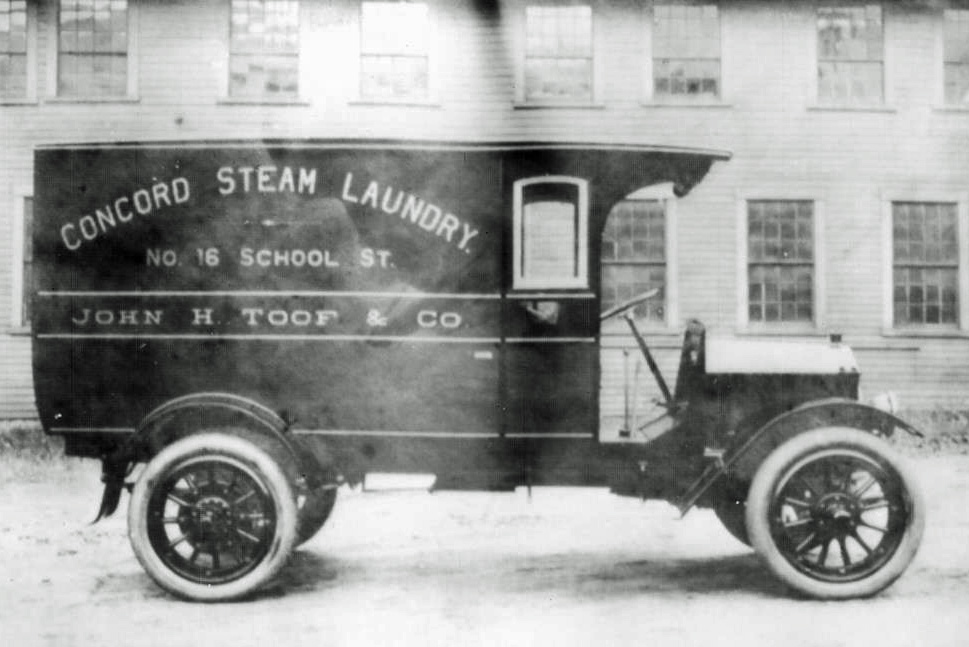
x: 844, y: 209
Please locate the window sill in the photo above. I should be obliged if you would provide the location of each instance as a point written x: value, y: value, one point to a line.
x: 92, y: 100
x: 957, y: 108
x: 558, y: 105
x: 686, y: 104
x: 13, y: 101
x: 261, y: 101
x: 936, y: 333
x: 781, y: 330
x: 836, y: 107
x: 396, y: 103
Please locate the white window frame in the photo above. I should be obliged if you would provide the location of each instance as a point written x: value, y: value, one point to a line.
x: 433, y: 63
x: 888, y: 59
x: 648, y: 93
x: 961, y: 199
x: 17, y: 242
x: 31, y: 95
x: 53, y: 50
x: 744, y: 324
x: 940, y: 100
x: 520, y: 40
x: 581, y: 280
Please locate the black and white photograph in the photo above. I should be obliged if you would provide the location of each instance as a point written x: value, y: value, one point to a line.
x: 484, y: 322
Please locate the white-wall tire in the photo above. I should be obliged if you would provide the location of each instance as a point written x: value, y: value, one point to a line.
x: 212, y: 517
x: 835, y: 513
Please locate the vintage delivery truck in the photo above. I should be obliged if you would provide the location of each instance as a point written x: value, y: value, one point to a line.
x: 257, y: 323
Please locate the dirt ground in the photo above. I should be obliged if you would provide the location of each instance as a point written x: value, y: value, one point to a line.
x: 568, y: 567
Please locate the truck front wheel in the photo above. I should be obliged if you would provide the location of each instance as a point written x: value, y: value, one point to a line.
x: 835, y: 513
x: 212, y: 517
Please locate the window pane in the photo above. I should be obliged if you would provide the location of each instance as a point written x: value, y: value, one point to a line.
x: 394, y: 28
x: 926, y: 261
x: 550, y: 238
x: 558, y: 53
x: 551, y: 234
x: 256, y: 76
x: 394, y: 62
x: 780, y: 239
x: 686, y: 51
x: 558, y: 79
x: 957, y: 36
x: 621, y: 282
x: 397, y: 77
x: 634, y: 256
x: 93, y: 42
x: 13, y: 49
x: 850, y: 53
x: 264, y: 48
x: 957, y: 83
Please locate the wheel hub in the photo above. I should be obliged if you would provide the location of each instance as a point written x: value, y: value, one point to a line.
x: 213, y: 517
x: 837, y: 514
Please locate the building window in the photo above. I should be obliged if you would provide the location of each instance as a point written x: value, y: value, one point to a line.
x: 925, y: 263
x: 27, y: 262
x: 558, y: 54
x: 93, y: 48
x: 956, y: 46
x: 13, y: 49
x: 634, y: 256
x: 686, y: 52
x: 394, y: 51
x: 850, y: 55
x: 264, y: 49
x: 551, y: 233
x: 780, y: 261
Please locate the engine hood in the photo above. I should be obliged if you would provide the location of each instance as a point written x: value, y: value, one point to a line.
x: 750, y: 356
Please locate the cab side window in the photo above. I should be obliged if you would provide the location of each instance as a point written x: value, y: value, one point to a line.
x: 551, y: 233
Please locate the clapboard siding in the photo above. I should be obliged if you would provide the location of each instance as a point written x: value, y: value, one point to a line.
x: 782, y: 144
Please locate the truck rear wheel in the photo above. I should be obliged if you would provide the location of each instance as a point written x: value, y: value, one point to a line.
x: 835, y: 514
x: 212, y: 517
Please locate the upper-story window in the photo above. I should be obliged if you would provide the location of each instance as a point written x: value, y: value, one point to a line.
x: 686, y: 52
x: 395, y: 51
x: 93, y: 44
x: 551, y: 233
x: 558, y: 54
x: 264, y: 49
x: 634, y: 256
x: 925, y: 263
x: 956, y: 46
x: 780, y: 261
x: 850, y: 55
x: 13, y: 49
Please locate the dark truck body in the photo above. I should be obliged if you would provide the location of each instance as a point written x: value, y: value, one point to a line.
x: 261, y: 322
x: 364, y: 291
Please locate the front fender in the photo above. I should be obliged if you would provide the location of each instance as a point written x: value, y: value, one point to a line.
x: 744, y: 459
x: 741, y: 460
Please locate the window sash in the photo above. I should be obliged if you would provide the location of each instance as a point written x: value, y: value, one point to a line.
x: 558, y: 63
x: 264, y: 48
x: 395, y: 61
x: 93, y: 43
x: 925, y: 264
x: 550, y: 246
x: 834, y: 46
x: 781, y: 260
